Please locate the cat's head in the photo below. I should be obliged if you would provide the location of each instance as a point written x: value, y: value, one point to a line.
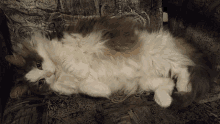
x: 33, y: 65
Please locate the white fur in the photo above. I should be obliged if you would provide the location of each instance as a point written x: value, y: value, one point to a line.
x: 47, y: 65
x: 83, y: 61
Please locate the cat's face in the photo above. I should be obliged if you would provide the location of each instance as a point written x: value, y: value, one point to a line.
x: 34, y: 65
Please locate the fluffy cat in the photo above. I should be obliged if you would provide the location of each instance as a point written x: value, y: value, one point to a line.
x: 103, y: 55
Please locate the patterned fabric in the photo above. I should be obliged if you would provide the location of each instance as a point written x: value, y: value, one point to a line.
x: 26, y: 16
x: 84, y: 110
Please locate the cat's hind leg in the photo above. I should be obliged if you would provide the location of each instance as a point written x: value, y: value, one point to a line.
x: 162, y: 88
x: 199, y: 83
x: 183, y: 85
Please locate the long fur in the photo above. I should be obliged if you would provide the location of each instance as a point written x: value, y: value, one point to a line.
x: 101, y: 56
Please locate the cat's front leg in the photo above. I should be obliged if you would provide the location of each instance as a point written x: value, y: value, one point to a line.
x: 64, y: 87
x: 162, y: 88
x: 65, y: 84
x: 94, y: 88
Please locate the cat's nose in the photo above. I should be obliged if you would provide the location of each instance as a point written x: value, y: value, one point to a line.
x: 49, y: 74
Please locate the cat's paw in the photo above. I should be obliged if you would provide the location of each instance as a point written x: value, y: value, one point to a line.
x: 95, y: 89
x: 162, y: 98
x: 65, y: 87
x: 184, y: 88
x: 18, y: 91
x: 66, y: 84
x: 183, y: 81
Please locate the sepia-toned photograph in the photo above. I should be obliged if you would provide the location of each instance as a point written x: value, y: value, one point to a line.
x: 110, y: 61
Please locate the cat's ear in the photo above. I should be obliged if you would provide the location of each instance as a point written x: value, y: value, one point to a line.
x: 22, y: 48
x: 15, y: 59
x: 18, y: 47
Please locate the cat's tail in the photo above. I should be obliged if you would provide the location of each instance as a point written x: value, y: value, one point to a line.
x: 200, y: 79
